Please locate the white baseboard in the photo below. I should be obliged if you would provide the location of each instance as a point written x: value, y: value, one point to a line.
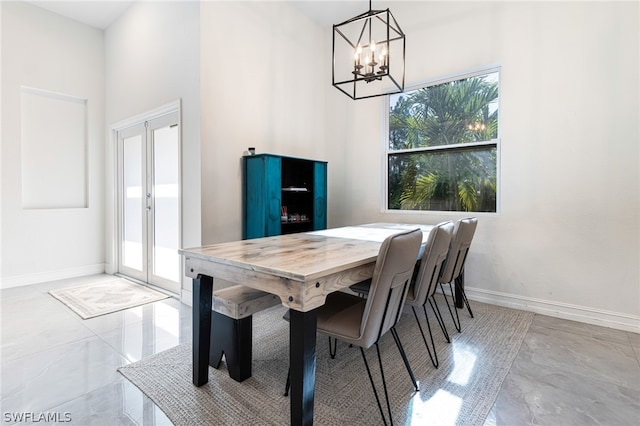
x: 186, y: 297
x: 556, y: 309
x: 60, y: 274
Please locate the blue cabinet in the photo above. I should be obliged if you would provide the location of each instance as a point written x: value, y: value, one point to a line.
x: 283, y: 195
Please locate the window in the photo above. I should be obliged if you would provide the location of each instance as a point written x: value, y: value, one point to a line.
x: 442, y: 152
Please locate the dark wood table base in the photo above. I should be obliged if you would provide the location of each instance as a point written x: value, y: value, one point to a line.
x: 302, y: 350
x: 302, y: 358
x: 201, y: 309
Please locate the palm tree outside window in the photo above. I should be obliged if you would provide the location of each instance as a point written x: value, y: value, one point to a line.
x: 442, y: 152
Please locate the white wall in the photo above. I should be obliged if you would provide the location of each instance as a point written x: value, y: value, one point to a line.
x: 153, y: 58
x: 566, y: 240
x: 261, y: 64
x: 46, y: 51
x: 263, y: 83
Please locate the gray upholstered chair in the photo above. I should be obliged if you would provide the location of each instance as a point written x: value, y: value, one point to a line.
x: 454, y: 264
x: 423, y: 286
x: 362, y: 322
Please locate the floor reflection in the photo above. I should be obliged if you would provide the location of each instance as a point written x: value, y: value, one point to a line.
x: 443, y: 408
x: 464, y: 359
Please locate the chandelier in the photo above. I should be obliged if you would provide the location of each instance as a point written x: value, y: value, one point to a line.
x: 368, y: 55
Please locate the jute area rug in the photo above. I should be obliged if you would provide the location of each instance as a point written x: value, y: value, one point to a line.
x: 461, y: 391
x: 92, y: 300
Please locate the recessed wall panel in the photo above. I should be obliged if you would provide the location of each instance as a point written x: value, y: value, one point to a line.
x: 54, y: 150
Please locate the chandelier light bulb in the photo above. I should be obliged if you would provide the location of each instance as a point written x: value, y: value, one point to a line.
x: 383, y: 58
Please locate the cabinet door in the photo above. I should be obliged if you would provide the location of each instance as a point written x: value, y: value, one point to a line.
x: 254, y: 199
x: 262, y: 196
x: 273, y: 195
x: 320, y: 196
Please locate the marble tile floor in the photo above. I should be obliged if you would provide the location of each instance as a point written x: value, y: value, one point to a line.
x: 56, y: 364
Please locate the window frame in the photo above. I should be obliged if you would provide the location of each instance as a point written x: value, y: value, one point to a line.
x: 441, y: 148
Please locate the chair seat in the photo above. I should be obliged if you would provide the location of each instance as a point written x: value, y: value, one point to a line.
x: 341, y: 316
x: 362, y: 288
x: 412, y: 299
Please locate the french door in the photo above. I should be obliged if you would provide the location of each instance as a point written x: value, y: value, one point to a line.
x: 149, y: 201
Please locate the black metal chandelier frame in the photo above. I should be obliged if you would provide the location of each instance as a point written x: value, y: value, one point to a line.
x: 365, y: 74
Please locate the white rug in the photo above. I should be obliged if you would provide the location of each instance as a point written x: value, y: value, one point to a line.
x: 92, y: 300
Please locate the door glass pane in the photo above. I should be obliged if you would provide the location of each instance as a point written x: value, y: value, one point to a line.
x: 166, y: 261
x: 132, y: 255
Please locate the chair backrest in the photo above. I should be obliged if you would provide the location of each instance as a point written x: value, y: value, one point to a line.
x: 460, y: 242
x: 435, y: 253
x: 394, y: 268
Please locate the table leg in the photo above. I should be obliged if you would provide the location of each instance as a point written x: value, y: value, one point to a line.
x: 302, y: 357
x: 201, y: 310
x: 459, y: 283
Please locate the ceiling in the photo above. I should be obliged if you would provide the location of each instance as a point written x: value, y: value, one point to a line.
x: 329, y: 12
x: 98, y: 14
x: 101, y: 13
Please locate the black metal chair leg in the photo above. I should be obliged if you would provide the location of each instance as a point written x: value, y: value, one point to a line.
x: 373, y: 386
x: 456, y: 321
x: 433, y: 344
x: 384, y: 382
x: 394, y: 333
x: 456, y: 324
x: 332, y: 350
x: 464, y: 298
x: 436, y: 311
x: 433, y: 361
x: 288, y: 385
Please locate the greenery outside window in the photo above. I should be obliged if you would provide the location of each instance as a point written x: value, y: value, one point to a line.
x: 442, y: 152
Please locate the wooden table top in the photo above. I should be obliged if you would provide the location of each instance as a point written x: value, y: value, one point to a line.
x: 299, y: 257
x: 320, y: 261
x: 304, y: 256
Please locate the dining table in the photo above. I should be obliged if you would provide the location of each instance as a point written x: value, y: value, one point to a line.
x: 301, y: 269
